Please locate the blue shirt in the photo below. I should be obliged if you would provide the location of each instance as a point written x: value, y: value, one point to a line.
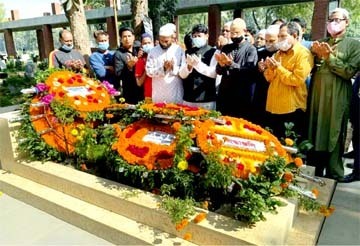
x: 98, y: 61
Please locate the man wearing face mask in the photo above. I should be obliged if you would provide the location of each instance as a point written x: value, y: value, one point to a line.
x: 141, y: 78
x: 286, y: 72
x: 163, y: 65
x: 337, y: 61
x: 236, y: 63
x: 261, y: 85
x: 66, y: 56
x: 101, y: 61
x: 198, y: 73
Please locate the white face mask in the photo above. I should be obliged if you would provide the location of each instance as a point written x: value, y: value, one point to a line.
x: 199, y: 42
x: 284, y: 45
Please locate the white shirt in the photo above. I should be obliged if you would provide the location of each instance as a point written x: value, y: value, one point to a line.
x: 166, y: 86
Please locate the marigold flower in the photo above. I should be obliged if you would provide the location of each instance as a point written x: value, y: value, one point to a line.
x: 289, y: 142
x: 205, y: 205
x: 122, y: 100
x: 284, y: 185
x: 315, y: 192
x: 182, y: 224
x: 109, y: 116
x: 188, y: 236
x: 74, y: 132
x: 183, y: 165
x: 200, y: 217
x: 288, y: 176
x: 298, y: 161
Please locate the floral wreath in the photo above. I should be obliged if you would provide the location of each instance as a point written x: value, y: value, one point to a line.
x: 241, y: 142
x: 135, y: 149
x: 80, y: 93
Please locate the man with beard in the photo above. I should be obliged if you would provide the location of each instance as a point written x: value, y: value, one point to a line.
x: 125, y: 59
x: 198, y: 73
x: 236, y: 64
x: 261, y: 85
x: 337, y: 61
x: 163, y: 64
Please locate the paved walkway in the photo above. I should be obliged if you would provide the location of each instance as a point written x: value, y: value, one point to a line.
x: 22, y: 224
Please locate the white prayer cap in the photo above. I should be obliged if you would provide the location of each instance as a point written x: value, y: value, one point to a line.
x: 261, y: 32
x: 167, y: 30
x: 273, y: 30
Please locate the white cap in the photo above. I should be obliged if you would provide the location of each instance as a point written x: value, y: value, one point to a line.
x: 167, y: 30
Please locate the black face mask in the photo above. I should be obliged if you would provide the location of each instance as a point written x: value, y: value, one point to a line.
x: 237, y: 40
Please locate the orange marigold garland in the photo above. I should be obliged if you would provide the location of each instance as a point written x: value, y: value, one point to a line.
x: 174, y: 109
x: 241, y: 142
x: 137, y: 145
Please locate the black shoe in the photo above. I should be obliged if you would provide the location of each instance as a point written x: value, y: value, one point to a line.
x: 350, y: 165
x: 349, y: 178
x: 349, y: 155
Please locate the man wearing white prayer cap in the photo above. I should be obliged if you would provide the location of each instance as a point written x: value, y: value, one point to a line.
x: 163, y: 66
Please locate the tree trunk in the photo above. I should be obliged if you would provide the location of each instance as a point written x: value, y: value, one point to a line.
x: 139, y: 9
x: 78, y: 25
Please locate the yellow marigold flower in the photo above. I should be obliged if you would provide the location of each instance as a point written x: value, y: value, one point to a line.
x: 289, y: 142
x: 81, y: 126
x: 74, y: 132
x: 122, y: 100
x: 188, y: 236
x: 183, y: 165
x: 298, y: 162
x: 79, y: 138
x: 205, y: 205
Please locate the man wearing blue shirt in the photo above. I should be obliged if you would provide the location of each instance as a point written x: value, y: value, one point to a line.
x: 101, y: 61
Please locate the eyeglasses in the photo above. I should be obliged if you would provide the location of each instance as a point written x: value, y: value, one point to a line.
x: 337, y: 20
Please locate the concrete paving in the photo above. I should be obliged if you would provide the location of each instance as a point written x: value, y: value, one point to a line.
x: 22, y: 224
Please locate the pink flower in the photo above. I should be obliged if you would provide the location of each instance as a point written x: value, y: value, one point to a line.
x: 110, y: 88
x: 47, y: 99
x: 40, y: 87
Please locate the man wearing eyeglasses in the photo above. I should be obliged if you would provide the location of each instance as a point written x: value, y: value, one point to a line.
x: 337, y: 61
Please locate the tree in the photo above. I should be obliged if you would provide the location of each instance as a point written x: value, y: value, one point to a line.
x: 75, y: 13
x: 161, y: 12
x: 2, y: 12
x: 139, y: 10
x: 352, y: 7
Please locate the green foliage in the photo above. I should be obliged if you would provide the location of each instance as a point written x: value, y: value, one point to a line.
x: 184, y: 142
x: 10, y: 90
x: 64, y: 113
x: 178, y: 209
x: 161, y: 12
x: 218, y: 175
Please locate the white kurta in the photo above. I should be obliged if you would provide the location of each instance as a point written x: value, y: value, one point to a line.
x: 166, y: 86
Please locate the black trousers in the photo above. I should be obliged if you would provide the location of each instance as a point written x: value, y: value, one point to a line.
x: 277, y: 123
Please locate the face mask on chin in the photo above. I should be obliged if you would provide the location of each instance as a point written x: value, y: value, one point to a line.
x: 334, y: 28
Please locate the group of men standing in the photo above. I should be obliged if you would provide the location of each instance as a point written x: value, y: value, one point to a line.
x: 262, y: 83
